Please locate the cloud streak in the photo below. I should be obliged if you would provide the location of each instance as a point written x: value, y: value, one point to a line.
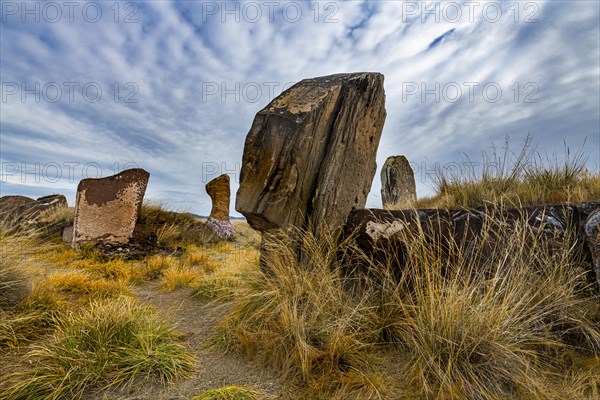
x: 173, y: 87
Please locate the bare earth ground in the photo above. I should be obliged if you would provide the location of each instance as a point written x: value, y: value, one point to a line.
x: 194, y: 319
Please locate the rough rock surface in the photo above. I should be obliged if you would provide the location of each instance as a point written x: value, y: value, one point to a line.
x: 107, y: 208
x: 21, y: 209
x: 397, y: 183
x: 220, y: 193
x: 379, y: 232
x: 67, y: 234
x: 12, y: 207
x: 592, y: 234
x: 309, y: 157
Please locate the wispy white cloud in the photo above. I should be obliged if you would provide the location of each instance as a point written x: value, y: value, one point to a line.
x: 200, y: 73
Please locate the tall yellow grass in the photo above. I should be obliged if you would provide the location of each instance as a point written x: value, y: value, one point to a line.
x: 487, y: 320
x: 517, y: 178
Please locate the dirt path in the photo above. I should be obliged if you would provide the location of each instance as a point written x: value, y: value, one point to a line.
x: 194, y: 319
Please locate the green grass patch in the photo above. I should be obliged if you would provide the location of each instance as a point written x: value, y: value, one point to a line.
x: 229, y: 393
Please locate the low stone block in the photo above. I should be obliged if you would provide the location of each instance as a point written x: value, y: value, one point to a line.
x: 379, y: 233
x: 592, y: 236
x: 107, y: 208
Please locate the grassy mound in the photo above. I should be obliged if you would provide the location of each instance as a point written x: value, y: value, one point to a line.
x: 522, y: 178
x: 109, y: 343
x: 171, y: 228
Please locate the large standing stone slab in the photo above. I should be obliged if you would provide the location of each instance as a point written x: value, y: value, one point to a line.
x: 107, y: 208
x: 309, y: 157
x: 219, y: 191
x: 397, y: 183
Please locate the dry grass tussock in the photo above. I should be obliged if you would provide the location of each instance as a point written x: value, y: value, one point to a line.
x: 82, y: 283
x: 106, y: 344
x: 27, y: 311
x: 180, y: 276
x: 13, y: 285
x: 522, y: 178
x: 447, y: 329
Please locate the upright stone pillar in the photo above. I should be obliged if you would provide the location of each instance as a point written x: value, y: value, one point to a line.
x: 219, y: 191
x: 397, y: 183
x: 309, y: 157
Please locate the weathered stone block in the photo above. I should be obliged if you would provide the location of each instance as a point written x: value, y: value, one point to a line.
x: 379, y: 233
x: 219, y: 192
x: 397, y: 183
x: 592, y: 235
x: 23, y: 210
x: 309, y: 157
x: 107, y: 208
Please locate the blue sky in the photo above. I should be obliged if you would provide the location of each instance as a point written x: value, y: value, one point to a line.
x: 92, y: 87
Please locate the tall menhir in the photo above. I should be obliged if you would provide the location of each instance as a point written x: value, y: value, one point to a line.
x: 309, y: 157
